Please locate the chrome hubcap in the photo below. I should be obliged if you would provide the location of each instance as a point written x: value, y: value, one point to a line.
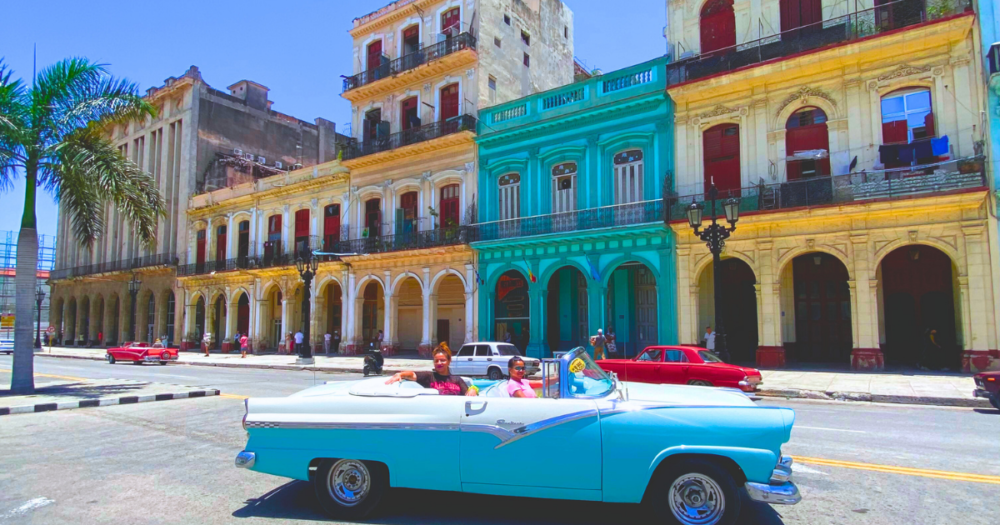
x: 696, y: 499
x: 349, y: 482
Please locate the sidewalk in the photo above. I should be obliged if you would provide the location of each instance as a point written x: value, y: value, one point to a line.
x: 920, y: 388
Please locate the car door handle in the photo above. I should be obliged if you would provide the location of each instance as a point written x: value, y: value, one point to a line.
x: 489, y: 358
x: 473, y: 408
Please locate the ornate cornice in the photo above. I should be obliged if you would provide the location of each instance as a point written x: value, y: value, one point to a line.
x: 804, y: 93
x: 718, y: 111
x: 903, y: 70
x: 411, y: 150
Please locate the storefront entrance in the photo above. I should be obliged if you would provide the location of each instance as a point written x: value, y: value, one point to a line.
x: 511, y: 310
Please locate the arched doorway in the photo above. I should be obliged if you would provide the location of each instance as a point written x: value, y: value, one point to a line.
x: 101, y: 335
x: 334, y: 312
x: 449, y: 325
x: 218, y: 321
x: 150, y: 331
x: 821, y: 306
x: 199, y: 319
x: 69, y: 333
x: 918, y: 295
x: 566, y: 310
x: 171, y: 313
x: 511, y: 311
x: 84, y: 321
x: 113, y: 331
x: 739, y: 307
x: 409, y: 314
x: 722, y: 158
x: 271, y: 318
x: 372, y: 307
x: 243, y: 314
x: 718, y: 26
x: 632, y: 308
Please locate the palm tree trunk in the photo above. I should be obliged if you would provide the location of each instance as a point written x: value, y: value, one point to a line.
x: 23, y: 374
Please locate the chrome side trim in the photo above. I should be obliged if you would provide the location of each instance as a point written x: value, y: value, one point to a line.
x: 353, y: 426
x: 245, y: 459
x: 502, y: 433
x: 545, y: 424
x: 784, y: 494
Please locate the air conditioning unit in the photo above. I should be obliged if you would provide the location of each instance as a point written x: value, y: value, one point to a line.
x: 296, y: 166
x: 993, y: 59
x: 278, y: 164
x: 687, y: 54
x: 248, y: 156
x: 261, y: 160
x: 238, y: 152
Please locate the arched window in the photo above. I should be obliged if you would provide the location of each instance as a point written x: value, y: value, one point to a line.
x: 510, y: 196
x: 375, y: 60
x: 907, y: 118
x: 718, y: 25
x: 564, y: 187
x: 243, y: 243
x: 799, y: 13
x: 220, y: 243
x: 451, y: 22
x: 450, y: 204
x: 272, y: 246
x: 411, y: 41
x: 721, y: 145
x: 373, y: 218
x: 628, y: 169
x: 807, y: 144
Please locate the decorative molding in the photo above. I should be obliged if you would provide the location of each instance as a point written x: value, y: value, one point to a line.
x: 912, y: 234
x: 425, y: 176
x: 469, y: 166
x: 695, y: 121
x: 743, y: 112
x: 903, y: 70
x: 938, y: 71
x: 950, y: 240
x: 427, y: 87
x: 872, y: 85
x: 471, y: 72
x: 811, y: 243
x: 804, y: 93
x: 719, y: 110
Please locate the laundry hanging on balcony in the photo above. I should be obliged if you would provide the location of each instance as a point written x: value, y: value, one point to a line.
x: 810, y: 154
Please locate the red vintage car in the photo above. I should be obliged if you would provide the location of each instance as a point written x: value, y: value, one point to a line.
x: 140, y: 353
x: 988, y: 387
x: 682, y: 365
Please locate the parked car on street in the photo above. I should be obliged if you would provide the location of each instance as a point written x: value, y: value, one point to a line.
x: 988, y: 386
x: 488, y: 359
x: 683, y: 451
x: 139, y: 353
x: 683, y: 365
x: 6, y: 346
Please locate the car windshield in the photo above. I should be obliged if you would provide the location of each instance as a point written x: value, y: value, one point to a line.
x: 510, y: 350
x: 586, y: 379
x: 709, y: 357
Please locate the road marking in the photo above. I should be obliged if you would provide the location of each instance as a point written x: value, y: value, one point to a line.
x: 71, y: 378
x: 923, y: 473
x: 233, y: 396
x: 30, y: 505
x: 830, y: 429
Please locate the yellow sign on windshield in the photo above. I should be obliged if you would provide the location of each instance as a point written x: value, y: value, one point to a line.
x: 577, y: 366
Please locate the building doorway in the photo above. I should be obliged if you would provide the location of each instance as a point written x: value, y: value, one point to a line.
x: 371, y: 313
x: 822, y: 309
x: 243, y: 315
x: 722, y: 159
x: 450, y: 312
x: 739, y: 307
x: 718, y: 26
x: 449, y: 102
x: 632, y: 308
x: 218, y: 322
x: 511, y: 310
x: 566, y: 310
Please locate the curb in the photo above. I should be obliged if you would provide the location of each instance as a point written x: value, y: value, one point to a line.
x: 793, y: 393
x: 341, y: 369
x: 105, y: 401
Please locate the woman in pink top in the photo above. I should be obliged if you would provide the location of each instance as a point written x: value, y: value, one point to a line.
x: 517, y: 385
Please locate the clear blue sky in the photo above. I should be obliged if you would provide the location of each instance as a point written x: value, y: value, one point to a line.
x: 299, y: 49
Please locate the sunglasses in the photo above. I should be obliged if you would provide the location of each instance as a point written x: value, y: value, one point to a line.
x: 519, y: 368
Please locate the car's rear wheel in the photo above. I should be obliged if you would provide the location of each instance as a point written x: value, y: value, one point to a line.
x: 137, y: 362
x: 995, y: 401
x: 699, y: 382
x: 163, y: 362
x: 495, y: 374
x: 111, y: 359
x: 694, y: 492
x: 350, y: 488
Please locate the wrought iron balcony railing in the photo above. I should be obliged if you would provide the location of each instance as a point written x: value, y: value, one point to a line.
x: 408, y: 241
x: 929, y: 179
x: 160, y: 259
x: 619, y: 215
x: 411, y: 136
x: 430, y: 53
x: 838, y: 30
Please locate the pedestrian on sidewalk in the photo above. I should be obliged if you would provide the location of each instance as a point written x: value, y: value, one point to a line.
x: 378, y: 340
x: 298, y: 342
x: 244, y: 343
x: 206, y: 341
x: 336, y: 341
x: 609, y: 338
x: 289, y: 344
x: 100, y: 338
x: 598, y: 342
x: 710, y: 339
x: 326, y: 343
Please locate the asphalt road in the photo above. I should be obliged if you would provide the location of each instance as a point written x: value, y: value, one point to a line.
x: 172, y: 462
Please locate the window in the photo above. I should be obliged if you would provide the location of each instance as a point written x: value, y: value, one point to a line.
x: 331, y: 226
x: 506, y: 19
x: 628, y: 175
x: 675, y: 356
x: 171, y: 306
x: 451, y: 22
x: 483, y: 351
x: 806, y: 131
x: 373, y: 218
x: 449, y: 101
x: 496, y: 41
x: 718, y: 25
x: 907, y: 116
x: 409, y: 115
x: 493, y: 90
x: 449, y: 212
x: 563, y: 184
x: 565, y: 31
x: 526, y: 38
x: 466, y: 351
x: 527, y: 60
x: 510, y: 196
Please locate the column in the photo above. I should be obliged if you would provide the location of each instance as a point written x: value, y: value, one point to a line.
x: 977, y: 324
x: 187, y: 322
x: 349, y: 338
x: 866, y: 354
x: 770, y: 349
x: 232, y: 314
x: 425, y: 333
x: 258, y: 329
x: 687, y: 302
x: 284, y: 321
x: 314, y: 216
x: 232, y: 237
x: 597, y: 297
x: 286, y: 237
x: 387, y: 334
x: 470, y: 303
x: 315, y: 330
x: 345, y: 311
x: 537, y: 346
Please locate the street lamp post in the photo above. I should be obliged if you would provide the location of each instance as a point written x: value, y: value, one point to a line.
x: 307, y: 270
x: 39, y: 297
x: 133, y: 290
x: 715, y: 236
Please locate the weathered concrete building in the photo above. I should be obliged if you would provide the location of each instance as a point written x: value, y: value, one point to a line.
x: 201, y: 139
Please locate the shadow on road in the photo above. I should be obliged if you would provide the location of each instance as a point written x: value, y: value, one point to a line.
x: 296, y: 500
x: 83, y: 390
x: 990, y: 411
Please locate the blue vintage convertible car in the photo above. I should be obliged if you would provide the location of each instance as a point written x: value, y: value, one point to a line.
x: 684, y: 451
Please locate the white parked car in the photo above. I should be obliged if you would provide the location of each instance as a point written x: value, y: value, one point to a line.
x: 483, y: 358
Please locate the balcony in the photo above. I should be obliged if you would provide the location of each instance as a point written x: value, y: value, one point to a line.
x: 409, y: 137
x: 391, y: 68
x: 835, y: 31
x: 864, y: 186
x: 161, y: 259
x: 619, y: 215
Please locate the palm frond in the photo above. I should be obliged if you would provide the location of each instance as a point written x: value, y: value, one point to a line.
x: 13, y: 112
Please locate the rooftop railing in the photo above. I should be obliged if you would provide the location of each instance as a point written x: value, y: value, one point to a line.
x: 916, y: 181
x: 160, y: 259
x: 430, y: 53
x: 410, y: 136
x: 837, y: 30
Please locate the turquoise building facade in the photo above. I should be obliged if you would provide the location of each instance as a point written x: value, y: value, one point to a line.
x: 571, y: 234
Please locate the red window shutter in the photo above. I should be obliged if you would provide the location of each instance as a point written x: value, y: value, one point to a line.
x: 895, y: 132
x: 449, y: 102
x: 929, y: 124
x: 790, y: 10
x: 331, y: 225
x: 200, y: 252
x: 450, y: 20
x: 274, y: 224
x: 374, y: 54
x: 718, y: 26
x: 302, y: 223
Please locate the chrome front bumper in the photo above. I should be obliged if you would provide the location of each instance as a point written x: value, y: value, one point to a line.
x: 981, y: 392
x: 245, y: 459
x: 779, y: 490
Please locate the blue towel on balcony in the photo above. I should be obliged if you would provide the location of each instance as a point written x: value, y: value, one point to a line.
x: 906, y: 154
x: 939, y: 146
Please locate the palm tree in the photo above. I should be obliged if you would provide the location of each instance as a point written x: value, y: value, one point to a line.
x: 54, y: 133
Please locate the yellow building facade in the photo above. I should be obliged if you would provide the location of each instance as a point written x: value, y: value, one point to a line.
x: 852, y: 136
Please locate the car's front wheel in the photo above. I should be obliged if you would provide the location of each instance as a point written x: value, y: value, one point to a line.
x: 111, y: 359
x: 350, y: 488
x: 995, y: 401
x: 694, y: 492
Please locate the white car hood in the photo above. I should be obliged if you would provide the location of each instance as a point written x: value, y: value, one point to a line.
x: 683, y: 395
